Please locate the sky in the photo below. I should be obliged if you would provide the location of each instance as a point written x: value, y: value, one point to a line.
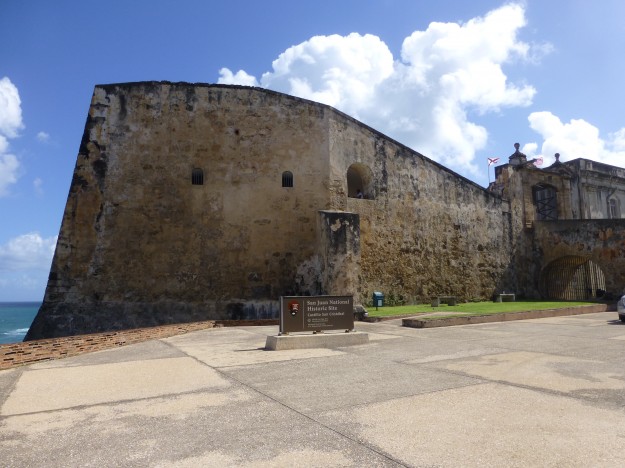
x: 457, y: 81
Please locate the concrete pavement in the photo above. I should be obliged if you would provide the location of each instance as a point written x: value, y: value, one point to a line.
x: 547, y: 392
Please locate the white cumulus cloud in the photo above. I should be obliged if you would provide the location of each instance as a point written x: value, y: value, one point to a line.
x: 9, y: 166
x: 27, y: 252
x: 343, y: 72
x: 43, y: 137
x: 38, y: 186
x: 422, y: 98
x: 575, y: 139
x: 10, y: 109
x: 238, y: 78
x: 10, y: 124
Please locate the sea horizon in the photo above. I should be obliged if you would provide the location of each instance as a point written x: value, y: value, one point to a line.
x: 15, y: 319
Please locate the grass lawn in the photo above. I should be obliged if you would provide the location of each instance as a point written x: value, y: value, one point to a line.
x: 472, y: 308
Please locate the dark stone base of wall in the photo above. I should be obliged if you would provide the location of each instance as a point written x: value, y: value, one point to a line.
x: 55, y: 320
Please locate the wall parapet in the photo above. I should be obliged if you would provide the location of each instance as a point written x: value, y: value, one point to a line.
x: 29, y: 352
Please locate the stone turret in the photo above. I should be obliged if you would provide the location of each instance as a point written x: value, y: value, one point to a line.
x: 517, y: 158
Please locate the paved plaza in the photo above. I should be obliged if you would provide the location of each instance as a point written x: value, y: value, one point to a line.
x: 545, y: 393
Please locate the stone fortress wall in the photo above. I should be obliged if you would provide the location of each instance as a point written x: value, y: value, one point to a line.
x: 602, y: 241
x: 142, y: 243
x: 424, y: 230
x: 569, y: 226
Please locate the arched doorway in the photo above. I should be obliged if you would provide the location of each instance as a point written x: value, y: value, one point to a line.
x: 572, y: 278
x: 360, y: 177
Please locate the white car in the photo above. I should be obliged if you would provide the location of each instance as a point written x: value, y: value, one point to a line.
x: 620, y: 308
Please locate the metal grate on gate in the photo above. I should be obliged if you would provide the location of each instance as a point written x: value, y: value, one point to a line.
x: 572, y: 278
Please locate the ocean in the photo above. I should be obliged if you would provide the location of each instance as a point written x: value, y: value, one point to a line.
x: 15, y: 318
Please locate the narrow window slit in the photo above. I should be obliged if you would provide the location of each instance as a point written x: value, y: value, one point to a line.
x: 287, y: 179
x: 197, y: 177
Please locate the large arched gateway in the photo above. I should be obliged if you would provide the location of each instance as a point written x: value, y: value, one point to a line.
x: 572, y: 278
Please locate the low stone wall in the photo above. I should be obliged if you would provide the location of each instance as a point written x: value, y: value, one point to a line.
x: 28, y: 352
x: 527, y: 315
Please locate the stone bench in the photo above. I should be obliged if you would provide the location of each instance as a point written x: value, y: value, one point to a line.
x: 505, y: 297
x: 449, y: 300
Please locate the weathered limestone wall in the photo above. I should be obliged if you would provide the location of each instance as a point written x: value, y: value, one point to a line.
x: 140, y: 245
x: 518, y: 183
x: 602, y: 241
x: 595, y: 185
x: 583, y: 189
x: 339, y: 248
x: 424, y: 230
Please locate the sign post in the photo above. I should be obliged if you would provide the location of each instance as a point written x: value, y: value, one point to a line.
x: 316, y: 314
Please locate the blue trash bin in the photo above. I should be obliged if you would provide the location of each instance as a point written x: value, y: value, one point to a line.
x: 378, y: 299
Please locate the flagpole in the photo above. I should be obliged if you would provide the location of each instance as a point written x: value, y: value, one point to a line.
x: 490, y: 162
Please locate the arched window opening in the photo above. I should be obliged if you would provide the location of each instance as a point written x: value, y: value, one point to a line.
x: 613, y: 209
x: 546, y: 201
x: 572, y: 278
x: 287, y: 179
x: 360, y: 182
x: 197, y: 177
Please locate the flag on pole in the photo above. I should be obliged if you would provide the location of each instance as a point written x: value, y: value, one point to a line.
x: 491, y: 161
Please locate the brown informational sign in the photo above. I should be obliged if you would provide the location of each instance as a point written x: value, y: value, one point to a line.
x: 316, y: 313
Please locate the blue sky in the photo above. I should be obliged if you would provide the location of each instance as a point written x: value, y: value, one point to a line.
x: 458, y: 81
